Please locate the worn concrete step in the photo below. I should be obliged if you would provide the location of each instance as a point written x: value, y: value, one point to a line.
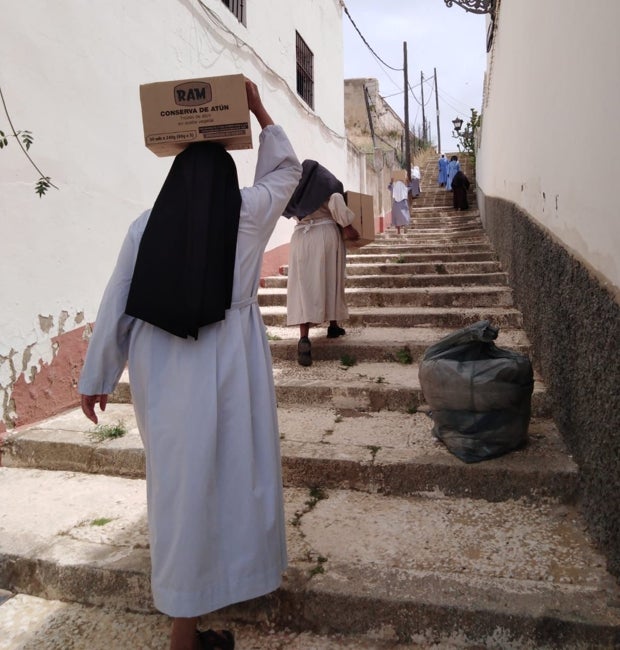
x: 433, y: 267
x: 422, y: 268
x: 365, y: 386
x: 510, y: 574
x: 443, y: 317
x: 389, y: 453
x: 401, y: 280
x: 431, y: 239
x: 348, y: 384
x: 429, y: 296
x: 31, y: 623
x: 374, y: 343
x: 410, y: 258
x: 411, y: 247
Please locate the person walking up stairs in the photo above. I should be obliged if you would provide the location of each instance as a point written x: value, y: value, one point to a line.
x: 393, y: 542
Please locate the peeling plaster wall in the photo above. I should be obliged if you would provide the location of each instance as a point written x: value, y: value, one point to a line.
x: 72, y: 76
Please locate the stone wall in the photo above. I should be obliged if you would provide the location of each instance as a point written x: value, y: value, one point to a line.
x: 573, y: 323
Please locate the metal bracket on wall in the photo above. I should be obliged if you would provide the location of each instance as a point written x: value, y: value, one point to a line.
x: 474, y: 6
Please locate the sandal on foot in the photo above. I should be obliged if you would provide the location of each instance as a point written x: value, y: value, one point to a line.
x: 333, y: 331
x: 304, y: 355
x: 216, y: 640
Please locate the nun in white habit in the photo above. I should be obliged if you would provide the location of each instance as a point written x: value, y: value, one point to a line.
x: 181, y: 308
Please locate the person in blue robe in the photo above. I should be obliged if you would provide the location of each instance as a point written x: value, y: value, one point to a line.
x: 442, y: 177
x: 453, y: 167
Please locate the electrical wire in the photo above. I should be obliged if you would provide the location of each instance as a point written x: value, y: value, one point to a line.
x: 346, y: 11
x: 240, y: 43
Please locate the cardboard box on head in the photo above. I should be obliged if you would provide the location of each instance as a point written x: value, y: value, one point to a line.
x: 399, y: 175
x: 177, y: 113
x: 364, y: 222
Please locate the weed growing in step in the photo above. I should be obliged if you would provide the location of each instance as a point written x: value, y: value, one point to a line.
x: 412, y: 409
x: 102, y: 521
x: 316, y: 494
x: 319, y: 568
x: 400, y: 259
x: 347, y: 360
x: 273, y: 337
x: 108, y: 431
x: 380, y: 380
x: 374, y: 450
x: 403, y: 356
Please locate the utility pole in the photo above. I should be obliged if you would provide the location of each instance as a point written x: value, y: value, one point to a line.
x: 437, y: 111
x: 407, y: 146
x: 423, y: 114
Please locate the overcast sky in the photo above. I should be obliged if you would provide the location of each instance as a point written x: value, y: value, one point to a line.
x: 449, y: 39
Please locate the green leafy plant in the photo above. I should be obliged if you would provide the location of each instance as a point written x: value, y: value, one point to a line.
x: 400, y: 259
x: 102, y: 521
x: 403, y: 356
x: 316, y: 494
x: 108, y: 431
x: 467, y: 136
x: 24, y: 139
x: 374, y: 450
x: 347, y: 360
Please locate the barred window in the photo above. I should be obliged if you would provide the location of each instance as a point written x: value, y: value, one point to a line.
x: 237, y: 7
x: 305, y: 72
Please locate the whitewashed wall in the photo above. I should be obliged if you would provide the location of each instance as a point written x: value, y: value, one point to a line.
x: 550, y: 132
x: 70, y: 74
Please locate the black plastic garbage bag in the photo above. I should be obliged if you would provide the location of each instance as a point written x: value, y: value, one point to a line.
x: 479, y: 395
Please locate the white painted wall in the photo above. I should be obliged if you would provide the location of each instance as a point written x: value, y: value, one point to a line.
x: 550, y: 132
x: 70, y: 74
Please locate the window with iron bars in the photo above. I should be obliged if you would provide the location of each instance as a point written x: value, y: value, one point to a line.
x: 238, y: 8
x: 305, y: 72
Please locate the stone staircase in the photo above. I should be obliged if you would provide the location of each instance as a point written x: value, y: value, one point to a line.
x: 433, y: 197
x: 393, y: 542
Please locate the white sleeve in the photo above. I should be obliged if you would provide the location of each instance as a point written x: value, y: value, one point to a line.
x: 108, y: 347
x: 277, y: 174
x: 342, y: 215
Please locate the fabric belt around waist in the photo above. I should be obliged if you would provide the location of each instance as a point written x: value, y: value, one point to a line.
x: 306, y: 224
x: 244, y: 303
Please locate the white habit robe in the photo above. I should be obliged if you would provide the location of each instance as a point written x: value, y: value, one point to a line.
x: 206, y: 411
x: 317, y: 265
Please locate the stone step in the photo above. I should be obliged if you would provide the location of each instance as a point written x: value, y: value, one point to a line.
x: 29, y: 623
x: 365, y: 386
x: 433, y: 267
x: 429, y: 296
x: 390, y: 453
x: 422, y: 268
x: 423, y: 238
x: 411, y: 258
x: 411, y: 247
x: 400, y: 281
x: 348, y: 384
x: 375, y: 343
x: 508, y: 574
x: 444, y: 317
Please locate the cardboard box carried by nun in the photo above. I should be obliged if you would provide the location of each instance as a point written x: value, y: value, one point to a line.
x: 177, y: 113
x: 364, y: 222
x: 399, y: 175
